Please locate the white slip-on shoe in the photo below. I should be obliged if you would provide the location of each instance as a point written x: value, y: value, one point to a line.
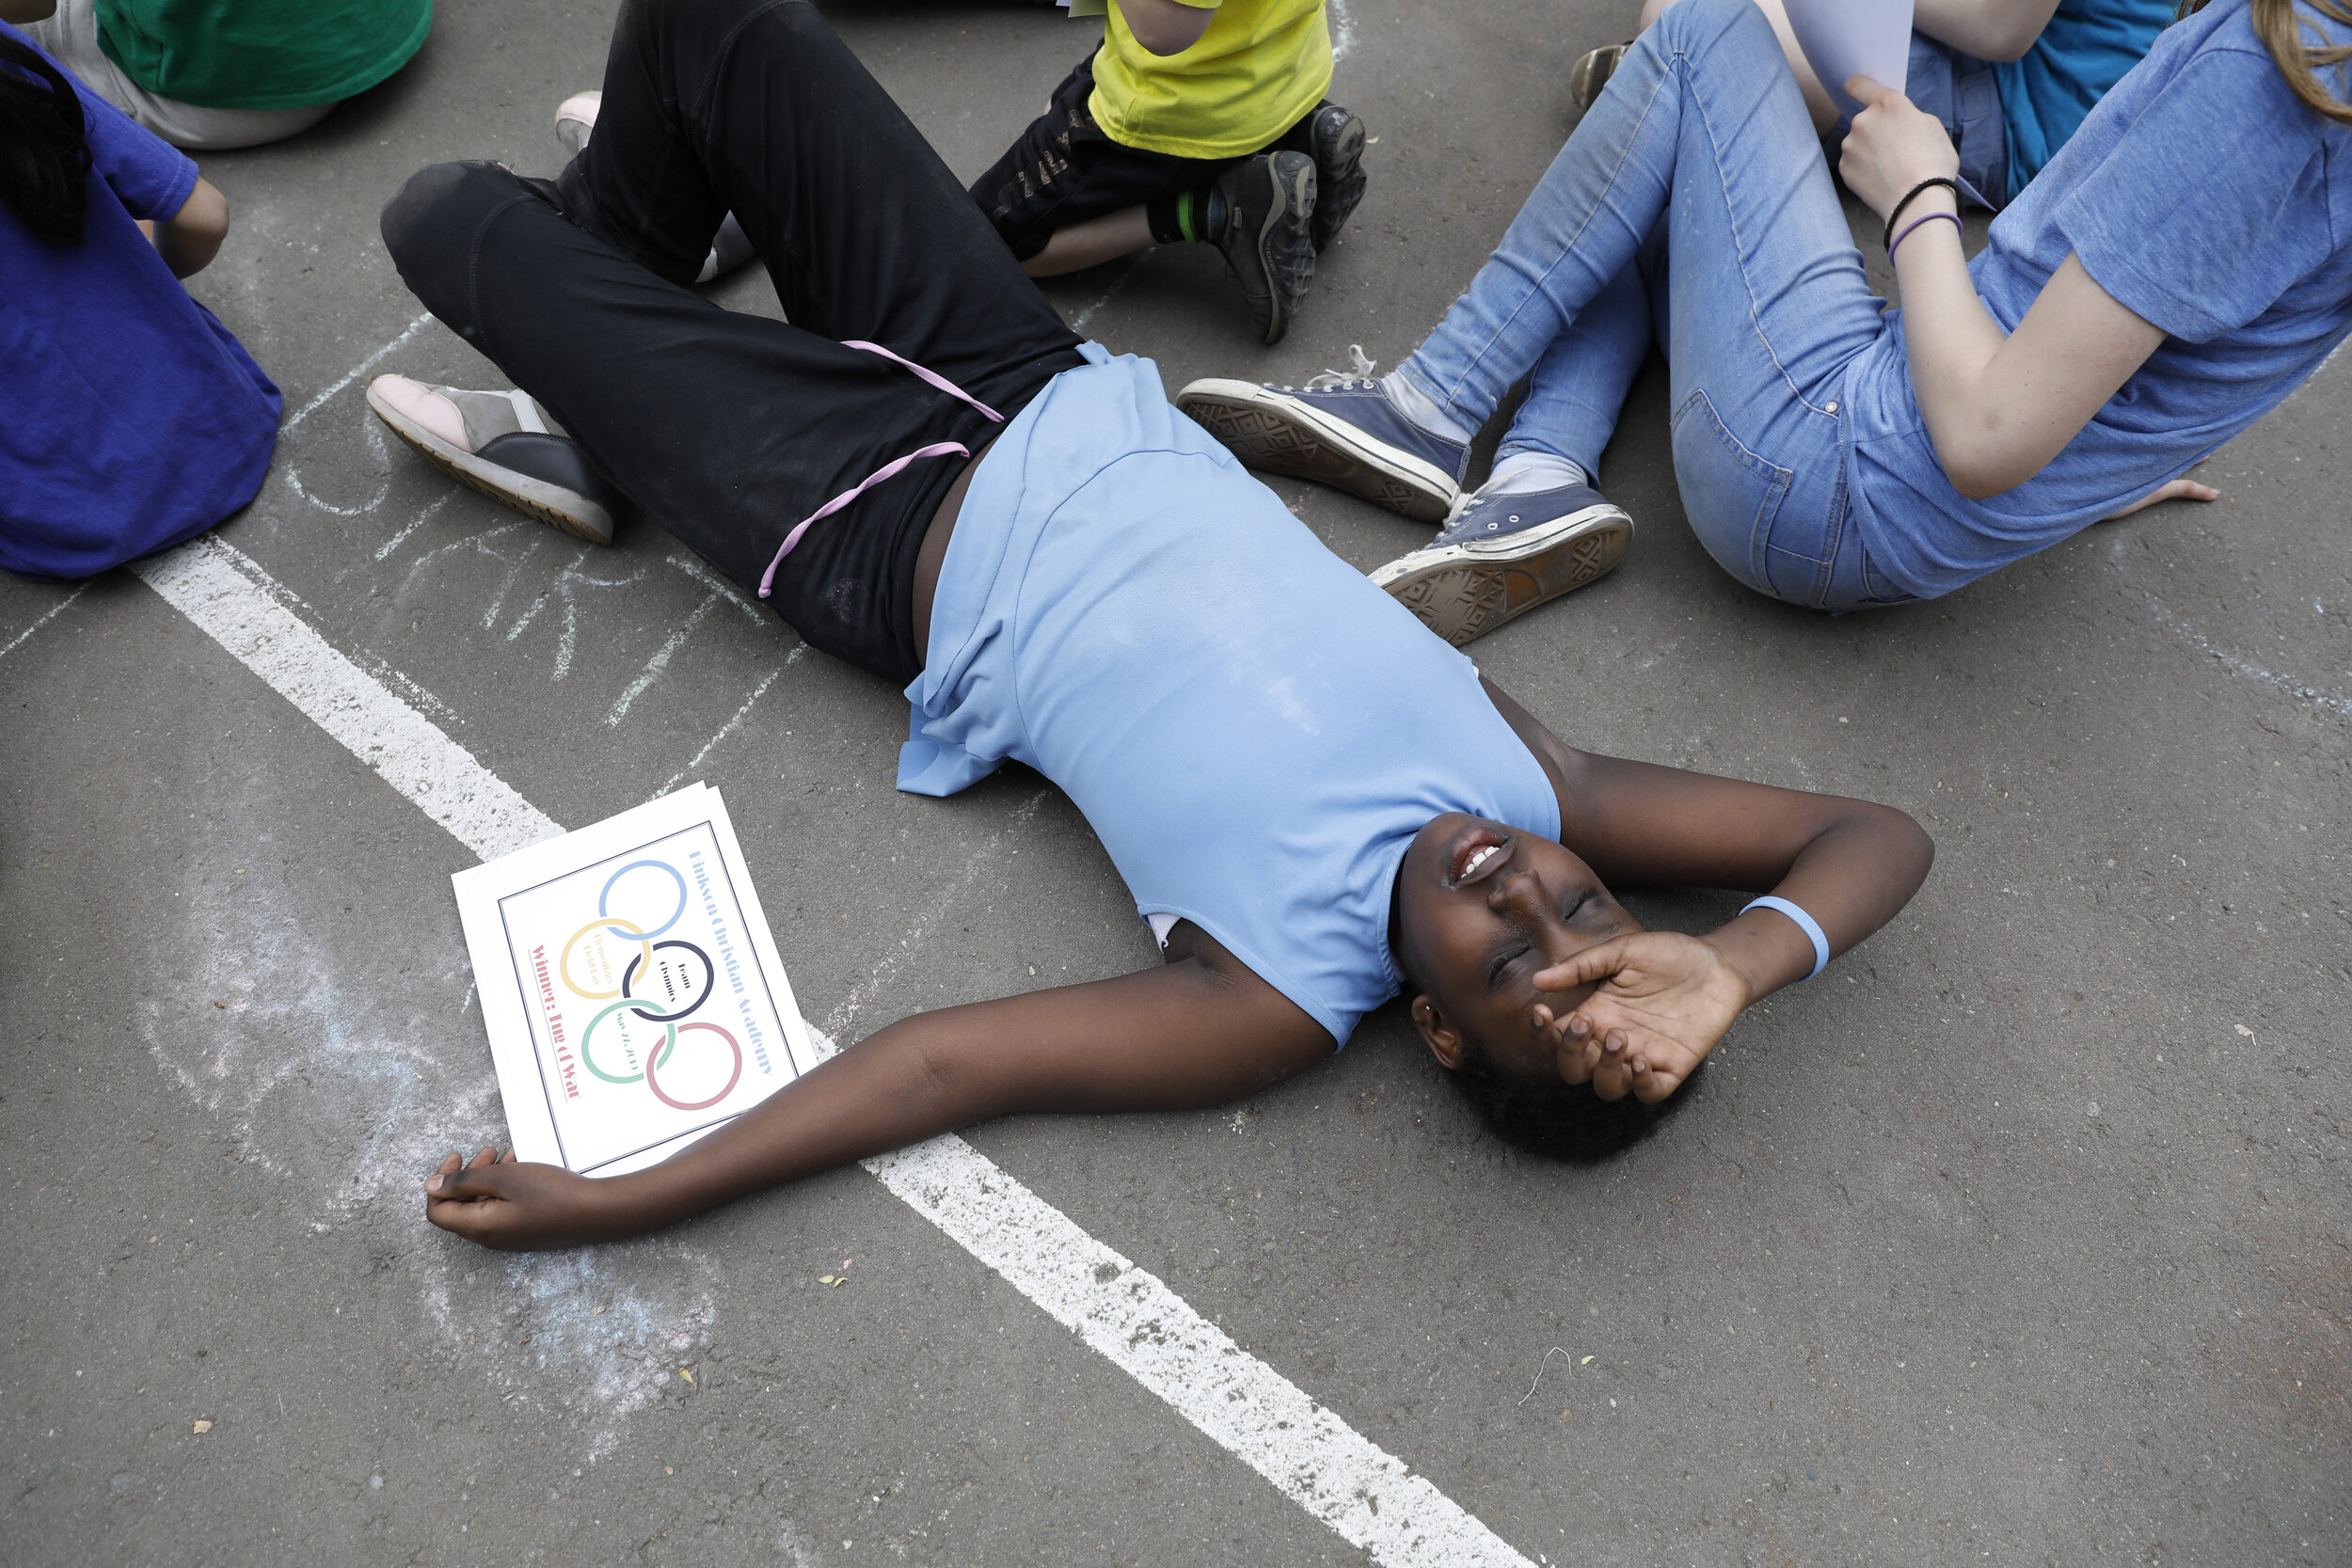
x: 503, y: 445
x: 574, y: 118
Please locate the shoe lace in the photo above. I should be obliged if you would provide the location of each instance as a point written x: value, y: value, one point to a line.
x: 1359, y: 370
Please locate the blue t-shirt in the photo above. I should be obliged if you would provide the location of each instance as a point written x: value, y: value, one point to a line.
x: 1254, y: 730
x: 130, y: 418
x: 2086, y: 49
x: 2203, y: 196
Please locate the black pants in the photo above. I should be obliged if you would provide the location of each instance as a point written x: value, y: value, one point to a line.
x: 1064, y: 169
x: 730, y: 428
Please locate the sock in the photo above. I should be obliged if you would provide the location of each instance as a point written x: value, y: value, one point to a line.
x: 1423, y: 409
x: 1524, y: 472
x: 1188, y: 217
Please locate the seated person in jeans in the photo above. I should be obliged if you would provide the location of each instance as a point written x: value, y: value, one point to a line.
x: 2178, y: 269
x: 210, y: 75
x: 1313, y: 802
x: 130, y: 418
x: 2008, y: 80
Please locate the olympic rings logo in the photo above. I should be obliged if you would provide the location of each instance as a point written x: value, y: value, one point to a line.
x: 686, y: 968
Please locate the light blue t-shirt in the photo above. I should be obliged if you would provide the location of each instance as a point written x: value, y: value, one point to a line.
x: 2085, y: 49
x: 2203, y: 196
x: 1254, y: 730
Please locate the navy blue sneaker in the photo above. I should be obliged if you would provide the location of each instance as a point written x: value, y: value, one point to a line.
x: 1349, y: 436
x: 1504, y: 555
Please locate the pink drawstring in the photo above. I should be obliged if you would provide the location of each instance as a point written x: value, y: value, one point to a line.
x: 939, y: 449
x: 932, y: 376
x: 767, y: 579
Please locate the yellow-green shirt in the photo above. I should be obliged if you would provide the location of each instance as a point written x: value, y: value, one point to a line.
x: 1253, y: 74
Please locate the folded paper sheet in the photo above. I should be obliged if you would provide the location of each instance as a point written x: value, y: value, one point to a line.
x: 630, y: 985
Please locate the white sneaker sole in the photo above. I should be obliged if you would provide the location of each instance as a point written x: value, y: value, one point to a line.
x: 1463, y: 592
x: 552, y: 504
x: 1279, y: 435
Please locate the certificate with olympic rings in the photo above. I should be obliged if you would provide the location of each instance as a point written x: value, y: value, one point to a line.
x: 631, y: 987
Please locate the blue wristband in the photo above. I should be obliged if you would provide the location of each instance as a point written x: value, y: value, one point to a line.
x: 1806, y: 923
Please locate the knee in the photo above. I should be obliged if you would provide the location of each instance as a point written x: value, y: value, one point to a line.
x: 441, y: 205
x: 1687, y: 27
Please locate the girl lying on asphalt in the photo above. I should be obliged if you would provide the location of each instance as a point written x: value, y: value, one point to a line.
x: 1314, y: 803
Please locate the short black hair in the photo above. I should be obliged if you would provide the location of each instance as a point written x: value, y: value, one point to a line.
x: 1550, y: 1119
x: 1556, y: 1120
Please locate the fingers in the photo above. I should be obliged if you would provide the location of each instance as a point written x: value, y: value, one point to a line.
x: 1595, y: 963
x: 457, y: 1180
x: 1865, y: 91
x: 2176, y: 490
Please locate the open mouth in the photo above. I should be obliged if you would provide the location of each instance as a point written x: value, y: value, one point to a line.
x: 1477, y: 851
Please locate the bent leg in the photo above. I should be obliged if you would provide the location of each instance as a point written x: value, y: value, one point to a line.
x: 1577, y: 389
x: 1704, y: 87
x: 728, y: 428
x: 755, y: 106
x: 1767, y: 304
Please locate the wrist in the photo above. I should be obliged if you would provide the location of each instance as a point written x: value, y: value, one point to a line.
x: 1928, y: 193
x: 1736, y: 960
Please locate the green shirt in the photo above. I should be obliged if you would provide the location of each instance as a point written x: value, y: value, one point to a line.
x: 261, y: 54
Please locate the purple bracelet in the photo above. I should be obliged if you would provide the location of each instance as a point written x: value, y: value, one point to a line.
x: 1914, y: 223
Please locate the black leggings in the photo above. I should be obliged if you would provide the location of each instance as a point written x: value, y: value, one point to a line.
x: 730, y: 428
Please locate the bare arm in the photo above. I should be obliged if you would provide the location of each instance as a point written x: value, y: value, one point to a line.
x: 1659, y: 1000
x: 19, y: 12
x: 1166, y: 26
x: 1850, y: 864
x: 1200, y: 1030
x: 190, y: 238
x: 1988, y: 30
x: 1998, y: 406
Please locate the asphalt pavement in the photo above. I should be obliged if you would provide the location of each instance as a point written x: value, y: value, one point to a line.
x: 2020, y: 1236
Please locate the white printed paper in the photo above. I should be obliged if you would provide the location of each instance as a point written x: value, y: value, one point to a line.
x: 1854, y: 37
x: 630, y: 985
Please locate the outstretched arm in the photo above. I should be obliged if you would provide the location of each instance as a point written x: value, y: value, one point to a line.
x: 1663, y: 1000
x: 1199, y: 1030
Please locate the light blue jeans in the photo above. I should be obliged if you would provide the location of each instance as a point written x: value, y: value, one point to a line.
x: 1692, y: 202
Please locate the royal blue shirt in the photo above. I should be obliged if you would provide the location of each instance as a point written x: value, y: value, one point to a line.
x: 1254, y: 730
x: 130, y: 418
x: 2206, y: 199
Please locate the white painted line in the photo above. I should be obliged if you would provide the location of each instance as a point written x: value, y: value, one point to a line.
x: 201, y: 580
x: 363, y: 367
x: 1313, y: 1457
x: 54, y: 611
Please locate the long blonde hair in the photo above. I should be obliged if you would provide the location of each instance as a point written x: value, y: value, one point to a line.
x: 2275, y: 24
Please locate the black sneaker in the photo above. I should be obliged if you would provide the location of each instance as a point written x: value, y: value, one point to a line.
x: 1504, y: 555
x: 1267, y: 241
x: 507, y: 447
x: 1338, y: 138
